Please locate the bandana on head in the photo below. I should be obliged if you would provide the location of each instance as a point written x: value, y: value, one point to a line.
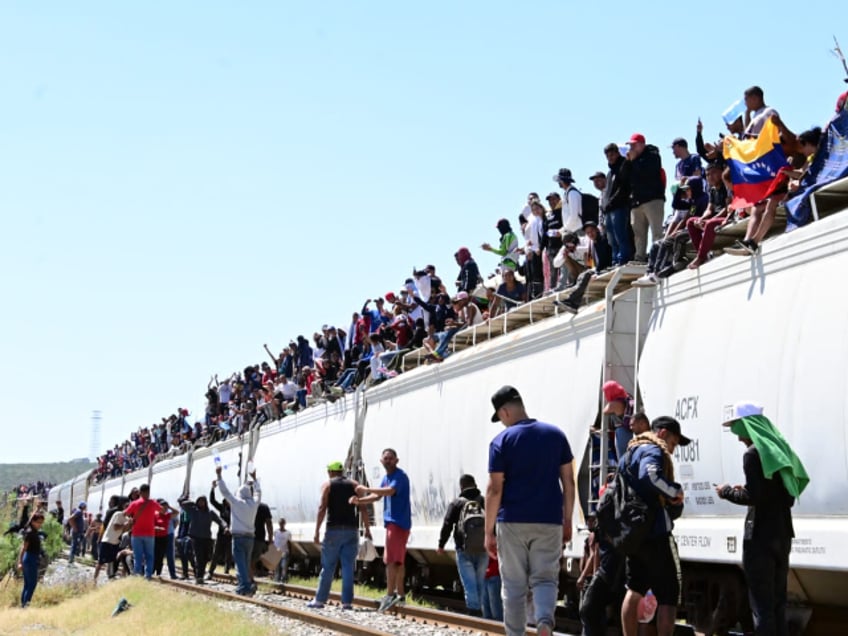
x: 776, y: 455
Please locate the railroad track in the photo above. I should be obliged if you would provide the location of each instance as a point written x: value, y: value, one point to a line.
x: 413, y: 613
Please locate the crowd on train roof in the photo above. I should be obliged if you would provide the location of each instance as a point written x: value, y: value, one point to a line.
x: 556, y: 245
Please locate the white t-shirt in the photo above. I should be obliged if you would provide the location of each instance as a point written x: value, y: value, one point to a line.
x: 424, y: 287
x: 533, y: 234
x: 225, y: 391
x: 113, y: 534
x: 289, y: 390
x: 281, y: 540
x: 572, y: 210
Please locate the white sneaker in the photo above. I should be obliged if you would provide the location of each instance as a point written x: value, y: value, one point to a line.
x: 648, y: 280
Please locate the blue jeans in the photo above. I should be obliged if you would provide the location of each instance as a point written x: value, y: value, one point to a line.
x: 143, y: 552
x: 623, y: 435
x: 492, y: 602
x: 529, y: 555
x: 338, y: 545
x: 169, y: 556
x: 77, y: 545
x: 472, y: 573
x: 30, y: 570
x: 618, y: 235
x: 242, y: 547
x: 281, y: 573
x: 444, y: 341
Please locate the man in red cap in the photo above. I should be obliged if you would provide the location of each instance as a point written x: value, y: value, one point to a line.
x: 619, y: 409
x: 647, y: 192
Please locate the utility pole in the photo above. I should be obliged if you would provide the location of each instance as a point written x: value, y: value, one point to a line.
x: 95, y: 436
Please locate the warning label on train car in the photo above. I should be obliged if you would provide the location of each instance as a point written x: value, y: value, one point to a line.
x: 803, y: 545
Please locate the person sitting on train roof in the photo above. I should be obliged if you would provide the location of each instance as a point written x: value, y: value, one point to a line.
x: 702, y: 229
x: 599, y: 258
x: 688, y: 165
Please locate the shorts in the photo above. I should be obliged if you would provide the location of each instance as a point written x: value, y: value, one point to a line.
x: 657, y: 568
x: 259, y: 548
x: 396, y: 538
x: 108, y: 552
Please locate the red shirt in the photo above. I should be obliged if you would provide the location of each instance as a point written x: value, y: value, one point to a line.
x: 145, y: 520
x: 162, y: 521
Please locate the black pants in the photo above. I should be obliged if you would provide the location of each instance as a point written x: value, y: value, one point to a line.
x: 535, y: 276
x: 593, y: 606
x: 160, y: 547
x: 766, y: 568
x: 202, y: 554
x: 223, y: 552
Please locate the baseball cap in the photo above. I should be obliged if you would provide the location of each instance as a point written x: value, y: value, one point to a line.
x: 335, y: 467
x: 461, y: 296
x: 670, y: 424
x: 743, y: 409
x: 598, y: 175
x: 390, y: 296
x: 502, y: 396
x: 82, y: 504
x: 564, y: 175
x: 636, y: 138
x: 613, y: 391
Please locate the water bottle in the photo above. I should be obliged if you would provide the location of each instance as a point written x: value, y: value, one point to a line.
x: 217, y: 461
x: 250, y: 467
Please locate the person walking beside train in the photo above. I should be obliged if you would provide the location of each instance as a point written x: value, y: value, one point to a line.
x: 143, y: 513
x: 341, y: 537
x: 76, y: 522
x: 200, y: 520
x: 774, y: 476
x: 648, y: 469
x: 466, y: 520
x: 243, y: 507
x: 397, y: 517
x: 529, y: 506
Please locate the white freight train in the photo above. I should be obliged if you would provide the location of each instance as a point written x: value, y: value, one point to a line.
x: 772, y: 329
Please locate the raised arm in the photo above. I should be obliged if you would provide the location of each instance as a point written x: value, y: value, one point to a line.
x: 268, y: 351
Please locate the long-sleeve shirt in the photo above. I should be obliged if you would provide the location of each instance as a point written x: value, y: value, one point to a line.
x: 201, y: 520
x: 646, y: 476
x: 243, y: 507
x: 449, y: 525
x: 769, y: 504
x: 469, y: 274
x: 572, y: 210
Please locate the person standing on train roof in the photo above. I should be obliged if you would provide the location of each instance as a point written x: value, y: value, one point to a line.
x: 397, y: 518
x: 341, y: 537
x: 243, y: 507
x: 529, y: 506
x: 774, y: 476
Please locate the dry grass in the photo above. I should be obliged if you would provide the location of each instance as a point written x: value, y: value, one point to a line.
x: 155, y: 610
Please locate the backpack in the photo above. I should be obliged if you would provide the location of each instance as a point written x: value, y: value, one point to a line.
x: 471, y: 527
x: 623, y: 517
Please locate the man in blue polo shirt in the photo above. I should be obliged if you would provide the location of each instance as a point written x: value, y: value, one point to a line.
x: 531, y: 497
x: 397, y: 517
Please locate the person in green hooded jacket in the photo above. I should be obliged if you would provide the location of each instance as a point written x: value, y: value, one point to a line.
x: 774, y: 476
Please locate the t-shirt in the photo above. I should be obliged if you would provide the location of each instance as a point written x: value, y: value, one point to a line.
x: 281, y: 540
x: 224, y: 393
x: 113, y: 533
x: 529, y: 454
x: 396, y: 508
x: 263, y: 514
x: 144, y: 525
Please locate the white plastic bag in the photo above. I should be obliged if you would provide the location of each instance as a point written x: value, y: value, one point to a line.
x: 367, y: 551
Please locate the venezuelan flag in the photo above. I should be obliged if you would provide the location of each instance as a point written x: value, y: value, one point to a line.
x: 753, y: 164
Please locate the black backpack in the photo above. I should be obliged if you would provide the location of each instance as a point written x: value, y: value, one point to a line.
x: 623, y: 517
x: 471, y: 527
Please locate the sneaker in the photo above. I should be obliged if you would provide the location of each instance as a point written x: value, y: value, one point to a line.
x: 648, y: 280
x: 385, y: 602
x: 396, y: 601
x: 544, y: 629
x: 347, y: 606
x: 315, y: 605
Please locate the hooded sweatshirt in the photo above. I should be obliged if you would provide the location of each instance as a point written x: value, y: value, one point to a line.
x: 452, y: 517
x: 243, y: 507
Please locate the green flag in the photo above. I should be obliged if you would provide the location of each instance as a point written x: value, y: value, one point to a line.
x: 775, y: 453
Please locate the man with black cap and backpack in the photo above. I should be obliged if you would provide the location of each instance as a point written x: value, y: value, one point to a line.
x: 467, y: 521
x: 648, y: 469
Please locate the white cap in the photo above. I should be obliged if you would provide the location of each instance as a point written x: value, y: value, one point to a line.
x: 744, y: 409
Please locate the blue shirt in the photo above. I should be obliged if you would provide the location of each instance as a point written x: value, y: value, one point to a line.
x: 396, y: 508
x: 529, y: 454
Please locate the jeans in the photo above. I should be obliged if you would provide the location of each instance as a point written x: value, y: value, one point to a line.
x: 444, y: 342
x: 618, y: 235
x: 77, y: 545
x: 550, y: 255
x: 30, y: 571
x: 703, y: 238
x: 529, y: 555
x: 242, y: 548
x: 623, y: 435
x: 169, y: 557
x: 338, y: 545
x: 492, y: 602
x: 535, y: 276
x: 186, y: 555
x: 281, y: 573
x: 142, y: 548
x: 766, y: 566
x: 472, y: 573
x: 593, y: 606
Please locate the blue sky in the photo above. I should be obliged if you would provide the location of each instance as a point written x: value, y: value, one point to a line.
x: 183, y: 182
